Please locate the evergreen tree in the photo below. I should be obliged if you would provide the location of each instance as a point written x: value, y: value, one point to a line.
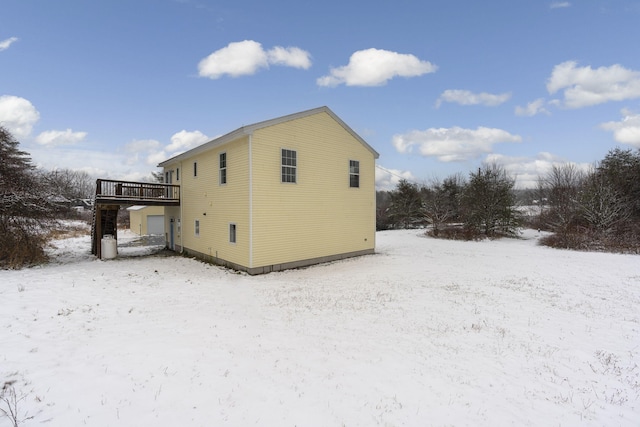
x: 25, y: 210
x: 406, y: 208
x: 621, y: 170
x: 488, y: 202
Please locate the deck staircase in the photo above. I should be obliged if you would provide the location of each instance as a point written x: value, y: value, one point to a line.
x: 111, y: 195
x: 105, y: 222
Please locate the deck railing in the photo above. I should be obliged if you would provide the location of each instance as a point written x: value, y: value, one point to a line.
x: 137, y: 192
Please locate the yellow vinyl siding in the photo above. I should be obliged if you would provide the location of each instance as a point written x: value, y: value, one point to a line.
x: 320, y: 214
x: 215, y: 206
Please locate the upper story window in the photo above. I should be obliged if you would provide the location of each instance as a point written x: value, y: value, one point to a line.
x: 195, y: 169
x: 289, y: 165
x: 177, y: 174
x: 223, y: 168
x: 354, y: 173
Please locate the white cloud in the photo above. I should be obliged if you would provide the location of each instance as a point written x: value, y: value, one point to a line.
x: 533, y: 108
x: 290, y: 57
x: 452, y: 144
x: 4, y: 44
x: 143, y: 148
x: 184, y: 140
x: 109, y: 164
x: 465, y: 97
x: 18, y: 115
x: 151, y: 152
x: 155, y: 158
x: 60, y: 137
x: 560, y: 4
x: 584, y: 86
x: 527, y: 170
x: 626, y: 131
x: 374, y: 67
x: 388, y: 179
x: 247, y: 57
x: 237, y: 59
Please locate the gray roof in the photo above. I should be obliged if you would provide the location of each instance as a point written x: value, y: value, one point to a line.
x: 247, y: 130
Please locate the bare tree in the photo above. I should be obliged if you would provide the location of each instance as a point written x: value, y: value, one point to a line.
x: 69, y: 184
x: 383, y: 203
x: 560, y: 188
x: 442, y: 201
x: 600, y: 204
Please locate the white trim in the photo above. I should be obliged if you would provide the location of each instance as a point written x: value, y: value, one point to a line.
x: 250, y: 201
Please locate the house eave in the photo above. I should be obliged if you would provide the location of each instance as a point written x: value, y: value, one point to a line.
x: 248, y: 130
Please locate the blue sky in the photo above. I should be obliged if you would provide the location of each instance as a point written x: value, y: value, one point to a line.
x: 436, y: 87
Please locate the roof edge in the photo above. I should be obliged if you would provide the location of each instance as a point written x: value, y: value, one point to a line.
x: 246, y: 130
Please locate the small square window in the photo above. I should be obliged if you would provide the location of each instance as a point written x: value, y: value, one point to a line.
x: 232, y: 233
x: 289, y: 165
x: 354, y: 174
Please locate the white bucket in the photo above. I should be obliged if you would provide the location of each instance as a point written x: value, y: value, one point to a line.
x: 109, y: 247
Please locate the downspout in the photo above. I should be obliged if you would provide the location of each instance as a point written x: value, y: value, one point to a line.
x: 250, y: 203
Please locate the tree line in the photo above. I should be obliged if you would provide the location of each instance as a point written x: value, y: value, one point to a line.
x: 598, y: 209
x: 594, y: 210
x: 484, y: 204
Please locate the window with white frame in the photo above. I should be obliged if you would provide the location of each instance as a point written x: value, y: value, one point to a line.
x: 289, y: 165
x: 196, y: 227
x: 223, y: 168
x: 354, y: 173
x: 232, y: 233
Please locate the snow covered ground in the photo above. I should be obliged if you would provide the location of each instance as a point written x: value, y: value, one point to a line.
x: 424, y: 333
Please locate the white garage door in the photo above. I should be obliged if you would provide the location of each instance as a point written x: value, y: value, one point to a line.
x: 155, y: 224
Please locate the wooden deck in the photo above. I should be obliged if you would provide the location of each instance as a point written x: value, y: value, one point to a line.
x: 110, y: 195
x: 109, y: 192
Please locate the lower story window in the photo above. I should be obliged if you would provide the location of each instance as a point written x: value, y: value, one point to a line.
x: 197, y: 228
x: 232, y: 233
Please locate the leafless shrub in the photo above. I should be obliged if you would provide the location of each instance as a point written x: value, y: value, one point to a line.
x: 9, y: 405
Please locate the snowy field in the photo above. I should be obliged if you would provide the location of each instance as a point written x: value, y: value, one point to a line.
x: 424, y: 333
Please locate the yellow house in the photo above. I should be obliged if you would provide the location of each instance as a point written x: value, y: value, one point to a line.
x: 146, y: 220
x: 284, y: 193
